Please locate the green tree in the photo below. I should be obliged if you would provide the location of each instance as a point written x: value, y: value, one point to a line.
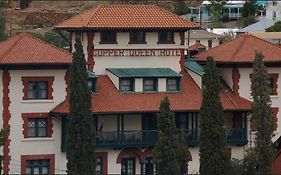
x: 3, y: 136
x: 3, y: 35
x: 80, y: 148
x: 181, y: 7
x: 164, y: 152
x: 275, y: 28
x: 57, y: 39
x: 213, y: 154
x: 262, y: 116
x: 249, y: 8
x: 215, y: 11
x: 183, y: 153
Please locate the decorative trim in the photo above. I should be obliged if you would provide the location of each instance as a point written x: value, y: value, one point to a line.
x: 67, y: 82
x: 6, y: 78
x: 182, y: 56
x: 104, y: 156
x: 90, y: 45
x: 275, y: 111
x: 50, y: 157
x: 130, y: 151
x: 26, y: 116
x: 235, y: 80
x: 49, y: 79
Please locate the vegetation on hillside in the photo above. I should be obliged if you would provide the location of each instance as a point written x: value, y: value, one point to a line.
x: 275, y: 28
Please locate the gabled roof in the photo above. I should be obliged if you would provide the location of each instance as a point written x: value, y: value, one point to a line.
x: 127, y: 17
x: 110, y: 100
x: 26, y: 49
x: 259, y: 26
x: 203, y: 34
x: 242, y: 50
x: 143, y: 72
x: 196, y: 46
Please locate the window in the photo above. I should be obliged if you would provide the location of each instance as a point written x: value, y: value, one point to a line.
x: 173, y: 84
x: 92, y: 84
x: 274, y: 3
x: 38, y: 164
x: 37, y: 88
x: 99, y: 166
x: 37, y: 125
x: 272, y: 83
x: 149, y: 167
x: 137, y: 37
x: 210, y: 43
x: 197, y: 41
x: 166, y: 37
x: 149, y: 84
x: 108, y: 37
x: 126, y: 85
x: 37, y: 167
x: 128, y: 166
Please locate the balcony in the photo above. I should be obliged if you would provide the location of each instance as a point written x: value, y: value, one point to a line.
x: 147, y: 138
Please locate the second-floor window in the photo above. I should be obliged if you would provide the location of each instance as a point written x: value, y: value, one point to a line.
x: 166, y: 37
x: 173, y: 84
x: 149, y: 84
x: 37, y: 167
x: 37, y: 127
x: 137, y: 37
x: 126, y: 84
x: 37, y: 90
x: 108, y: 37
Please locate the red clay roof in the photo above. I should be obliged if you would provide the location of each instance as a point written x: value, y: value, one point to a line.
x: 25, y: 49
x: 242, y: 50
x: 127, y: 17
x: 196, y: 46
x: 110, y: 100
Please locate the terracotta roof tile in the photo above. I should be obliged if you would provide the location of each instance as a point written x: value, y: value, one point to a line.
x: 127, y: 17
x: 25, y: 49
x: 242, y: 50
x: 110, y: 100
x: 196, y: 46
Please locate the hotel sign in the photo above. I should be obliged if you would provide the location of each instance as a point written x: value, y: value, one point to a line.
x: 137, y: 52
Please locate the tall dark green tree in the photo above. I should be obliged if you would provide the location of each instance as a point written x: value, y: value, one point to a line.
x: 3, y: 136
x: 262, y: 116
x: 80, y: 148
x: 213, y: 154
x: 181, y: 7
x: 249, y: 8
x: 3, y: 35
x: 215, y: 11
x: 164, y: 152
x: 183, y: 154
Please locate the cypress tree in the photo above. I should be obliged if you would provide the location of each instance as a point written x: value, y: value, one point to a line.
x: 262, y: 116
x: 213, y: 155
x: 164, y: 152
x: 80, y: 148
x: 183, y: 153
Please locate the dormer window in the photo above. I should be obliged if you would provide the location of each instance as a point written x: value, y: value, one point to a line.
x: 126, y: 84
x: 108, y: 37
x: 150, y: 84
x: 166, y: 37
x: 173, y: 84
x: 137, y: 37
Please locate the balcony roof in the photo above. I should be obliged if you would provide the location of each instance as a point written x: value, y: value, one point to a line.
x: 143, y: 72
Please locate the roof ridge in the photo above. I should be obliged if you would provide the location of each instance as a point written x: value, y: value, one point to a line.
x: 49, y: 44
x: 17, y: 37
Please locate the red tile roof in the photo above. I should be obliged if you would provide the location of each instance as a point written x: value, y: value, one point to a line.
x: 242, y: 50
x: 127, y: 17
x: 110, y: 100
x: 25, y: 49
x: 196, y: 46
